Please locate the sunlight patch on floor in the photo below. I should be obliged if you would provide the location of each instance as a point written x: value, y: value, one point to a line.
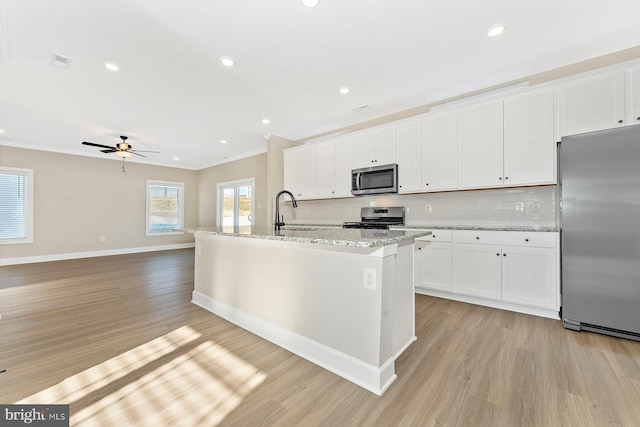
x: 177, y: 379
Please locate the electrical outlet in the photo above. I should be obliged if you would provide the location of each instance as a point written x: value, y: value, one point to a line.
x: 427, y: 208
x: 369, y: 278
x: 102, y: 239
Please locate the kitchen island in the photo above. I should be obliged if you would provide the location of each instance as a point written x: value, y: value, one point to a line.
x: 340, y: 298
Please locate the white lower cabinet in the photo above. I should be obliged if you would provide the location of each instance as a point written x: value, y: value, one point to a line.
x: 529, y: 276
x: 434, y: 261
x: 504, y: 269
x: 478, y: 271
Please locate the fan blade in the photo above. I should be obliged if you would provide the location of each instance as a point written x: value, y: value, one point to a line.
x: 143, y: 151
x: 133, y: 152
x: 111, y: 150
x: 97, y: 145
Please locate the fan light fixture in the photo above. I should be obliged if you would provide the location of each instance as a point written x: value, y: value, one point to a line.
x: 123, y: 154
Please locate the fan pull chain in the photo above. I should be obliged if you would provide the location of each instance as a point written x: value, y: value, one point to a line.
x: 123, y: 165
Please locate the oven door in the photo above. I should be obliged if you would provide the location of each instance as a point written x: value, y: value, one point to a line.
x: 375, y: 180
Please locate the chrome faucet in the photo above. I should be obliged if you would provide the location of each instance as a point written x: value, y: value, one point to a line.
x: 279, y: 222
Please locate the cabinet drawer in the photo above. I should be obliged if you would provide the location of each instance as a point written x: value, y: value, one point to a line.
x: 511, y: 238
x: 437, y: 236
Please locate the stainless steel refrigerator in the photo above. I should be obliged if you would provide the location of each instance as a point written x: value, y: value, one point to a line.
x: 600, y: 231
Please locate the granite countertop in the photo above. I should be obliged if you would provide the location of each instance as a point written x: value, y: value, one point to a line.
x: 334, y: 236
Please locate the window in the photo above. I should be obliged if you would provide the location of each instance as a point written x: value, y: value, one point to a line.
x: 16, y: 205
x: 235, y: 205
x: 165, y: 207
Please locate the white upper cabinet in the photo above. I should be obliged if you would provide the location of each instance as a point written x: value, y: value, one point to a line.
x: 592, y: 103
x: 344, y: 165
x: 409, y: 136
x: 529, y: 144
x: 636, y: 95
x: 480, y: 145
x: 326, y: 169
x: 300, y: 171
x: 375, y: 147
x: 440, y: 152
x: 334, y: 162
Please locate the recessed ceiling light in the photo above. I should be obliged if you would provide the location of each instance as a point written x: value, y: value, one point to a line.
x: 111, y: 66
x: 226, y: 61
x: 310, y: 3
x: 223, y: 141
x: 344, y: 90
x: 266, y: 121
x: 176, y: 158
x: 1, y: 130
x: 496, y: 30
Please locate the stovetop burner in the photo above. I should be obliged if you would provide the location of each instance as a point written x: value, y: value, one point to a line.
x: 378, y: 218
x: 371, y: 225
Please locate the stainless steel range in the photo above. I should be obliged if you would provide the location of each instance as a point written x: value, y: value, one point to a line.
x: 378, y: 218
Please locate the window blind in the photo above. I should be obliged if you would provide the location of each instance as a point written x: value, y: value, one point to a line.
x: 13, y: 206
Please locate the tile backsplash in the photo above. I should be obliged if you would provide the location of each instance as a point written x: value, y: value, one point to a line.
x: 501, y: 207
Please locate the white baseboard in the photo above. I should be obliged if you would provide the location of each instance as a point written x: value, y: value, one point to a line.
x: 92, y: 254
x: 535, y: 311
x: 370, y: 377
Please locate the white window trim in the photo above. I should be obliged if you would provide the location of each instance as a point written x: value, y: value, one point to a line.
x: 219, y: 207
x: 28, y: 202
x: 148, y: 209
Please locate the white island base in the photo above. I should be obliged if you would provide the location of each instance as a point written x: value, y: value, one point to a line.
x: 347, y: 309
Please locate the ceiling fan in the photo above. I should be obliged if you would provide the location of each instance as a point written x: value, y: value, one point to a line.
x: 122, y: 149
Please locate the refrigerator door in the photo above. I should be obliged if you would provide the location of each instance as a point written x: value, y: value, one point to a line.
x: 600, y: 220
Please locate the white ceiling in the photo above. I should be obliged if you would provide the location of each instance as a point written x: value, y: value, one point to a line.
x: 172, y: 94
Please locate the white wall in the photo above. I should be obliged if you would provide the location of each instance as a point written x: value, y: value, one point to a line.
x: 77, y: 199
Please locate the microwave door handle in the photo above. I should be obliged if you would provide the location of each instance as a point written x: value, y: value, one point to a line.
x: 358, y: 179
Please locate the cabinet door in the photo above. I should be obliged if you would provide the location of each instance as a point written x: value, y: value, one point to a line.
x: 529, y: 276
x: 440, y: 152
x: 478, y: 270
x: 636, y: 94
x: 375, y: 147
x: 300, y: 171
x: 386, y: 146
x: 326, y: 169
x: 591, y: 103
x: 529, y: 145
x: 480, y: 145
x: 434, y: 266
x: 409, y: 136
x: 344, y: 165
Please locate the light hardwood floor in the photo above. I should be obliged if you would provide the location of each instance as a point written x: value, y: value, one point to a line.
x: 118, y: 339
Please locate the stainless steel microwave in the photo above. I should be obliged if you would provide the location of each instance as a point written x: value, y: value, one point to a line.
x: 375, y: 180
